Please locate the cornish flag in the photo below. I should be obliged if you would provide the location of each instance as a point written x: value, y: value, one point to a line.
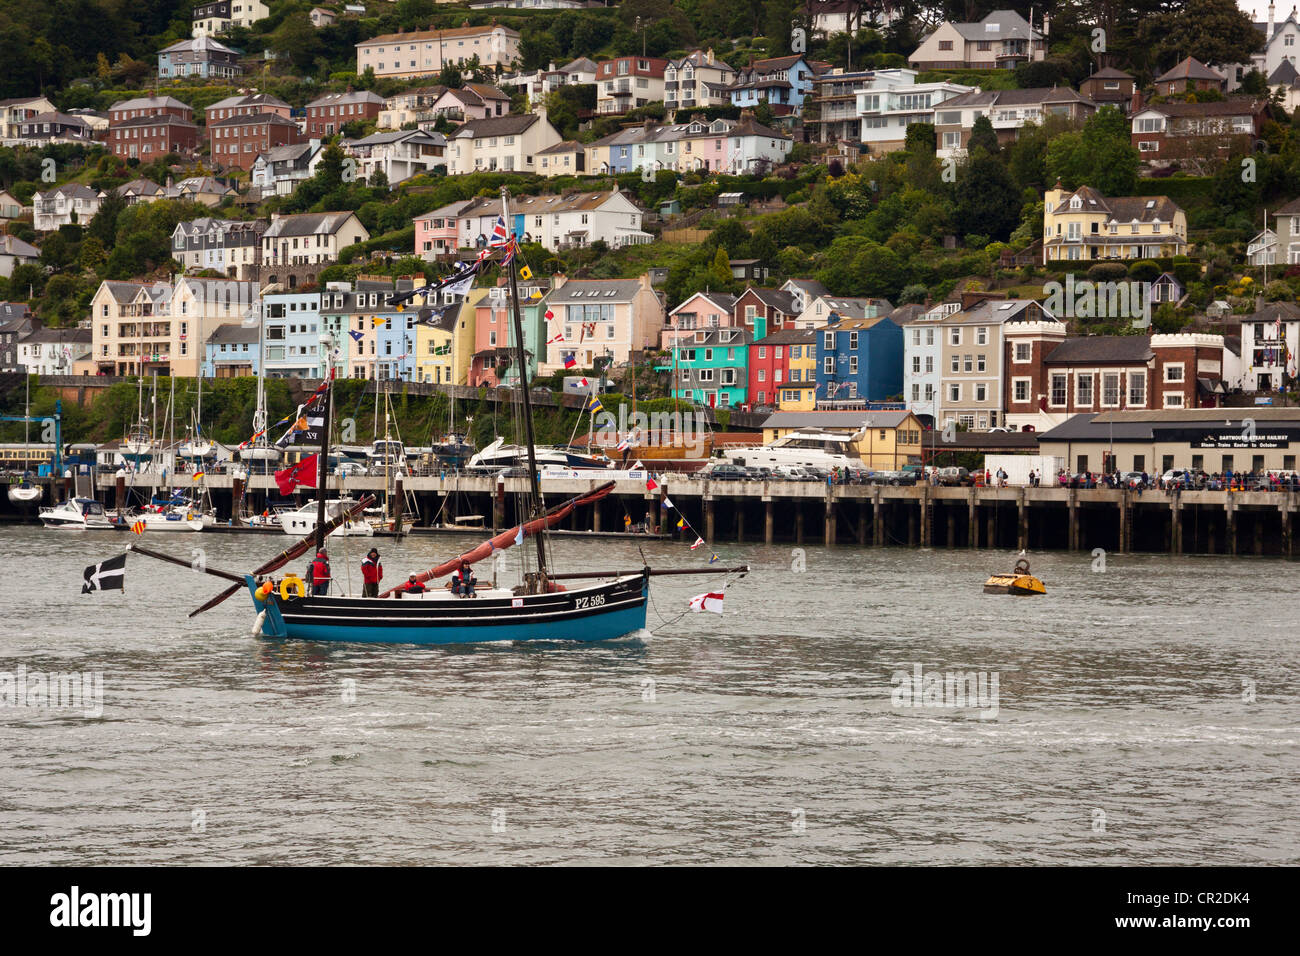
x: 707, y: 602
x: 108, y: 575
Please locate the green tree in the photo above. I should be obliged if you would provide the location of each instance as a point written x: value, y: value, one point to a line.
x: 984, y: 137
x: 987, y: 200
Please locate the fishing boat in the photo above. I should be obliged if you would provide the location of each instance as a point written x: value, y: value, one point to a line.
x: 25, y: 493
x: 1019, y: 581
x: 77, y: 514
x: 601, y: 605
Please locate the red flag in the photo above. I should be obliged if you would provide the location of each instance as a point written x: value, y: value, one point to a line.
x: 303, y: 473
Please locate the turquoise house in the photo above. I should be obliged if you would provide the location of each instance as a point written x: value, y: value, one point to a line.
x: 712, y: 367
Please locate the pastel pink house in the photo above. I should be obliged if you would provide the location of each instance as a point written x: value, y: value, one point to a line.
x: 703, y: 310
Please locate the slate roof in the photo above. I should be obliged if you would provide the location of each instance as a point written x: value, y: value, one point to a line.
x: 511, y: 125
x: 307, y: 224
x: 1102, y: 349
x: 1190, y: 69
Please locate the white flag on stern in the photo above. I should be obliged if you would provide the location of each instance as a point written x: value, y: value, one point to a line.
x: 707, y: 602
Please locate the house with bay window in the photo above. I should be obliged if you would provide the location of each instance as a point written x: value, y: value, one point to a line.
x: 601, y: 318
x: 1084, y: 225
x: 711, y: 367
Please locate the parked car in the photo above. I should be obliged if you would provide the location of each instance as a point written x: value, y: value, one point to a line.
x: 792, y: 473
x: 892, y: 478
x: 349, y: 469
x: 725, y: 471
x: 954, y: 475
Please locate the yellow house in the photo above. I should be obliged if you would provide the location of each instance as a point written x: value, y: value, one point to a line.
x: 1084, y: 225
x: 446, y: 348
x: 798, y: 391
x: 886, y: 440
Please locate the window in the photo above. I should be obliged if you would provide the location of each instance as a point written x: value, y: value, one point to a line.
x: 1020, y: 389
x: 828, y: 365
x: 956, y: 363
x: 1058, y: 389
x: 1173, y: 399
x: 1174, y: 372
x: 1083, y: 389
x: 954, y: 393
x: 1110, y: 391
x: 967, y: 363
x: 954, y: 336
x: 979, y: 363
x: 981, y: 392
x: 828, y: 342
x: 982, y: 335
x: 916, y: 364
x: 929, y: 363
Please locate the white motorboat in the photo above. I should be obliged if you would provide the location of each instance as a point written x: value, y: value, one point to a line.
x: 77, y: 514
x: 172, y: 519
x: 804, y: 447
x: 302, y: 522
x: 499, y: 455
x: 25, y: 493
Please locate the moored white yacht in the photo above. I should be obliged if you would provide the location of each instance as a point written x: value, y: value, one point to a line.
x: 303, y: 521
x: 805, y: 447
x: 77, y: 514
x: 500, y: 455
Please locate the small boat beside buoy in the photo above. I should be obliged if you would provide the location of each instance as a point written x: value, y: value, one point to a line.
x: 1019, y: 581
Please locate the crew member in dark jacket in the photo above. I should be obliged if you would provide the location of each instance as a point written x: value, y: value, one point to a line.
x: 372, y: 572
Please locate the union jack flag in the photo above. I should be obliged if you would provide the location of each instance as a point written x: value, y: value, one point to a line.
x: 500, y: 235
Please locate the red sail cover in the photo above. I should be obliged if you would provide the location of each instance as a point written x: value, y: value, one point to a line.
x: 507, y: 538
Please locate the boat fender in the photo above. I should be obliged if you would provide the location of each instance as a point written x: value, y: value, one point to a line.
x: 1022, y: 566
x: 257, y: 624
x: 292, y: 587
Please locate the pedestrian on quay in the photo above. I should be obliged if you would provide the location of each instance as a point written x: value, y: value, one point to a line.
x: 372, y: 572
x: 319, y: 573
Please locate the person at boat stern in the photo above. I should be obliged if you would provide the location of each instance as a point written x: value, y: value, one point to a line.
x: 320, y: 573
x: 413, y: 585
x: 372, y: 572
x: 465, y: 580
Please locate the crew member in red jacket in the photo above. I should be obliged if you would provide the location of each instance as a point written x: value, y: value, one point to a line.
x: 320, y: 573
x: 372, y: 572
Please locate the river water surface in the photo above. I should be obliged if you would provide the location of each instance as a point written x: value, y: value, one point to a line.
x: 1148, y: 713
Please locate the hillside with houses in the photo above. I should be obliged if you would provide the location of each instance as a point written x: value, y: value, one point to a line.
x: 785, y: 206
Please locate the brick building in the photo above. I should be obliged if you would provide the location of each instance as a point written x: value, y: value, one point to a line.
x: 237, y: 141
x: 1050, y: 377
x: 327, y: 115
x: 148, y: 137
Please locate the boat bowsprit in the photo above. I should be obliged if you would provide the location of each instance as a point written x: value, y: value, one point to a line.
x: 1019, y: 581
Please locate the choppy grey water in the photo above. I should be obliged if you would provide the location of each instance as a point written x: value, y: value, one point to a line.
x: 1125, y: 730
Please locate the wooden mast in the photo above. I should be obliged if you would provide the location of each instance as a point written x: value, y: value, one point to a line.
x: 323, y: 469
x: 534, y: 478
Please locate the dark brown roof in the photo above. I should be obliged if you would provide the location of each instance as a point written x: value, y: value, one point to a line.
x: 1234, y: 106
x: 789, y: 337
x: 1190, y: 69
x: 511, y: 125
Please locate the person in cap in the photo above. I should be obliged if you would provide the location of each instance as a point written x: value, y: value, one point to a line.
x: 372, y: 572
x: 320, y: 573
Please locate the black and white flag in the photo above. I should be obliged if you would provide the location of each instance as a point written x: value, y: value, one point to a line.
x: 306, y: 429
x: 106, y: 576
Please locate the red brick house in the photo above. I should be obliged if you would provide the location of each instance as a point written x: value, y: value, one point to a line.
x: 147, y: 138
x: 1165, y: 132
x: 328, y: 114
x: 237, y: 141
x: 1050, y: 377
x: 124, y: 110
x: 764, y: 311
x: 247, y: 105
x: 1189, y: 76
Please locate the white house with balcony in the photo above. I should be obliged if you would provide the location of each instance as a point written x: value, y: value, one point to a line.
x: 697, y: 80
x: 310, y: 238
x: 65, y: 205
x: 399, y: 155
x: 892, y: 100
x: 1008, y: 111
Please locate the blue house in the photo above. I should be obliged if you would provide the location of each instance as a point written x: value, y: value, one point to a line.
x: 202, y: 56
x: 859, y: 359
x: 232, y: 351
x: 783, y: 82
x: 291, y: 329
